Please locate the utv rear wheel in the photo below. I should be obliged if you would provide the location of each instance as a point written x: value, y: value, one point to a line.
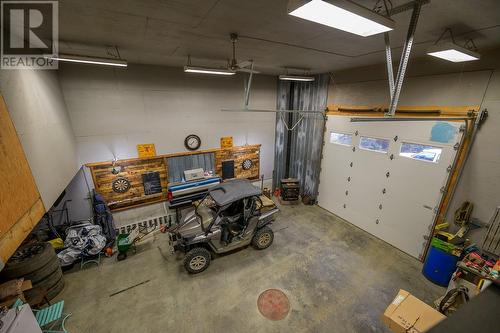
x: 197, y: 260
x: 263, y: 238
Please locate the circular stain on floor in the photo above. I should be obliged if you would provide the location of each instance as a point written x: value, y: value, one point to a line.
x: 273, y: 304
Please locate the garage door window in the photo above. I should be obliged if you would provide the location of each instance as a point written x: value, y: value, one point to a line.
x: 420, y: 152
x: 341, y: 138
x: 374, y: 144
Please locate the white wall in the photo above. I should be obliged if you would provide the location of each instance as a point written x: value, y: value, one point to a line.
x: 436, y: 82
x: 77, y: 196
x: 480, y: 181
x: 443, y: 89
x: 112, y: 110
x: 38, y: 110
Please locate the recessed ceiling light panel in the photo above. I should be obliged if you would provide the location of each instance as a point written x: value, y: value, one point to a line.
x: 341, y: 14
x: 453, y: 52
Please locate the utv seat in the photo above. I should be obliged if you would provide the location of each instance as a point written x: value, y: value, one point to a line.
x: 234, y: 228
x: 206, y: 214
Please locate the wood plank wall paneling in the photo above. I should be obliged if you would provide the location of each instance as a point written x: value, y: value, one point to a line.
x: 20, y: 204
x: 239, y: 154
x: 132, y: 169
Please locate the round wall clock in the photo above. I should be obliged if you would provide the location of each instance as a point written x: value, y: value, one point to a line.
x: 121, y: 185
x: 192, y: 142
x: 247, y: 164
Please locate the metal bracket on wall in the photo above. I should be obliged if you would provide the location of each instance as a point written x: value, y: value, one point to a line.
x: 303, y: 113
x: 388, y: 57
x: 248, y: 85
x: 405, y: 56
x: 405, y: 7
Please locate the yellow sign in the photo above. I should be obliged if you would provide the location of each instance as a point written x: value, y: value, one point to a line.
x: 146, y: 149
x: 226, y: 142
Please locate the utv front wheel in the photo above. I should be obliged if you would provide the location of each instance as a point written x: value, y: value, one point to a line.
x: 197, y: 260
x: 263, y: 238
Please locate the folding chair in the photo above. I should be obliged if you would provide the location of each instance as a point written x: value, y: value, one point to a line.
x: 49, y: 316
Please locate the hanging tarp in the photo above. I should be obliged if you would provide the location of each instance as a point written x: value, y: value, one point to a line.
x: 299, y: 138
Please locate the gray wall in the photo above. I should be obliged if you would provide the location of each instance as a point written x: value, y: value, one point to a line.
x: 112, y: 110
x: 480, y: 182
x: 38, y: 110
x: 77, y: 196
x: 437, y: 82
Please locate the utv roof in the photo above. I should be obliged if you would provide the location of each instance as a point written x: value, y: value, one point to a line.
x: 233, y: 190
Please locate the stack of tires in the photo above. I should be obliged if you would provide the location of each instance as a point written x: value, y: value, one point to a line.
x: 37, y: 262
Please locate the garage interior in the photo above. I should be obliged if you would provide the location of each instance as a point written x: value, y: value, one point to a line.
x: 250, y: 166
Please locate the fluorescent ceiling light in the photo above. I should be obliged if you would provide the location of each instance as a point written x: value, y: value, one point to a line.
x: 453, y: 52
x: 296, y: 78
x: 89, y: 60
x: 341, y: 14
x: 205, y: 70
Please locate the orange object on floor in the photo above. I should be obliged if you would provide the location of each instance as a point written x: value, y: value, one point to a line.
x: 109, y: 251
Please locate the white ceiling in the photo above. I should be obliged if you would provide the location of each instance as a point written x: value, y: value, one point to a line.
x: 164, y: 32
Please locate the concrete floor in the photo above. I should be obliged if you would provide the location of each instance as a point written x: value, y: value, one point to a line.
x: 338, y: 279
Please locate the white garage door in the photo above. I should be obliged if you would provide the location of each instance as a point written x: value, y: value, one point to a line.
x: 386, y: 177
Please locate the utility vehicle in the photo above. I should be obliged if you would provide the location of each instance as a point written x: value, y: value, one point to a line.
x: 232, y: 215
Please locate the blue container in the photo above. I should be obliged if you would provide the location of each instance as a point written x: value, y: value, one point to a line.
x: 439, y: 266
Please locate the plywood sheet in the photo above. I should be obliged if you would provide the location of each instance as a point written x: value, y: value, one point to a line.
x: 18, y: 191
x: 11, y: 239
x: 20, y: 205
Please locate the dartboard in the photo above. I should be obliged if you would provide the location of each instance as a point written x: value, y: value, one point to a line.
x: 247, y: 164
x: 121, y: 185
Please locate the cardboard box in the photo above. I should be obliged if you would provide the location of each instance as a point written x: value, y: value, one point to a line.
x: 407, y: 313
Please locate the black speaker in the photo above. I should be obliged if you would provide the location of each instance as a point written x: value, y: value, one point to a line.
x: 228, y: 169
